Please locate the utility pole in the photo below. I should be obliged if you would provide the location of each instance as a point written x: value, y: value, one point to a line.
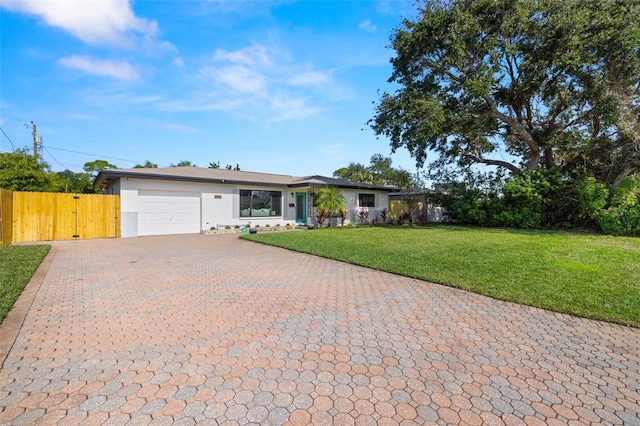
x: 36, y: 140
x: 35, y: 144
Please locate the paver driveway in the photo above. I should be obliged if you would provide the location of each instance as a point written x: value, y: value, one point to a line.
x: 211, y: 329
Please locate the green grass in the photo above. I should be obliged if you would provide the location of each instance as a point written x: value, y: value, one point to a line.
x: 17, y: 265
x: 587, y: 275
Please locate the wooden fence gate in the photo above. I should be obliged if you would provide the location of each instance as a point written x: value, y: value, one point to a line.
x: 47, y: 216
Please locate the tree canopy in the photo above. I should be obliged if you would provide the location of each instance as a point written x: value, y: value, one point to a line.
x: 183, y: 163
x: 146, y: 165
x: 216, y: 165
x: 93, y: 167
x: 522, y: 85
x: 380, y: 171
x: 21, y: 171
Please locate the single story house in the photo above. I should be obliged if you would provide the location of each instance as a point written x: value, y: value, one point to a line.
x: 183, y: 200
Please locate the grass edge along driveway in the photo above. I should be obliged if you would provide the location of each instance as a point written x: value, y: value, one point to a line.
x: 17, y: 266
x: 591, y: 276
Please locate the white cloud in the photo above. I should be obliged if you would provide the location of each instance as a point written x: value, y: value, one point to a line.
x: 239, y: 79
x: 266, y: 82
x: 285, y: 108
x: 178, y: 62
x: 117, y: 69
x: 180, y: 128
x: 367, y: 26
x: 311, y: 78
x: 253, y: 56
x: 95, y: 22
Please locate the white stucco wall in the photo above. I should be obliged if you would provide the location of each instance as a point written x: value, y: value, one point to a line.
x: 220, y: 204
x: 353, y: 205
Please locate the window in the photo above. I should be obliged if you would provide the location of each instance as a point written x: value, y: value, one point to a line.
x: 367, y: 200
x: 260, y: 203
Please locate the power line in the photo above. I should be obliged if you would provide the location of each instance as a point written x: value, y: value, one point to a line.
x: 95, y: 155
x: 54, y: 158
x: 10, y: 141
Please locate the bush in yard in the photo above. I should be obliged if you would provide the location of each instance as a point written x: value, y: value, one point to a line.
x: 363, y: 216
x: 623, y: 216
x: 592, y: 197
x: 404, y: 217
x: 384, y: 215
x: 540, y: 199
x: 321, y: 216
x: 342, y: 215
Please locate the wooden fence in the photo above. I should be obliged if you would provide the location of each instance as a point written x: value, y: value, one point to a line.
x: 397, y: 207
x: 6, y: 217
x: 433, y: 213
x: 47, y: 216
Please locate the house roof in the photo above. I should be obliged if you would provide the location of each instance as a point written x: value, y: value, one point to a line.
x: 228, y: 177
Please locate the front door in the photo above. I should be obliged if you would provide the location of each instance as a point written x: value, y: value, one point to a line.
x: 301, y: 207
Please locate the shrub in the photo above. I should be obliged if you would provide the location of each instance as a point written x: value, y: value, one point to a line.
x: 321, y: 216
x: 540, y: 199
x: 403, y: 218
x: 384, y: 215
x: 342, y: 215
x: 363, y: 216
x: 623, y: 216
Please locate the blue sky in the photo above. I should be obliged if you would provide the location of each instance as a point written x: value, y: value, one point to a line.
x: 274, y: 86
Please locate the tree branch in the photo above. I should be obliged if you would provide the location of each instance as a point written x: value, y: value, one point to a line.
x: 623, y: 174
x: 491, y: 162
x: 532, y: 164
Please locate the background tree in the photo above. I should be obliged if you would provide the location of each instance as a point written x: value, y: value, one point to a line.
x: 216, y: 165
x: 77, y: 183
x: 522, y: 85
x: 93, y: 167
x: 183, y: 163
x: 356, y: 172
x: 20, y: 171
x: 146, y: 165
x: 379, y: 172
x: 331, y: 200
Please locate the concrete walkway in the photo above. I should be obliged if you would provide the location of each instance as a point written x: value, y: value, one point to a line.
x: 214, y: 330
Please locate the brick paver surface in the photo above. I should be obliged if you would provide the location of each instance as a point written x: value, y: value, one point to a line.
x: 214, y: 330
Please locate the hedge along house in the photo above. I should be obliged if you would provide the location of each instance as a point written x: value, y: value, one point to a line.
x: 186, y: 200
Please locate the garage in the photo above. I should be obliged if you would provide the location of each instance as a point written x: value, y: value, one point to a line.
x: 168, y: 212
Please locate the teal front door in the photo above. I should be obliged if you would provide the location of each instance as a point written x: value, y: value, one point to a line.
x: 301, y: 207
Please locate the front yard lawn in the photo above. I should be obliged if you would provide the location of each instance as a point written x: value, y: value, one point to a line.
x: 17, y: 265
x: 587, y: 275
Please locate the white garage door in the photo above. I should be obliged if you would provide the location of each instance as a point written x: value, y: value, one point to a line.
x: 168, y: 212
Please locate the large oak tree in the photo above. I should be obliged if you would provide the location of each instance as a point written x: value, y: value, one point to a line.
x: 550, y: 83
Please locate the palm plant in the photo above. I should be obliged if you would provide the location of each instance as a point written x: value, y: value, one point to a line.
x: 331, y: 200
